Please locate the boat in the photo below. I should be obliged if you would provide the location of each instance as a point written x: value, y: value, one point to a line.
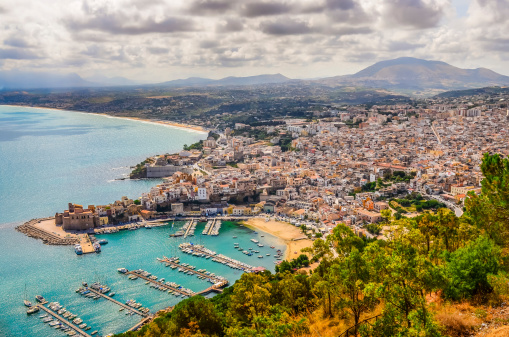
x: 234, y: 237
x: 32, y: 310
x: 78, y: 250
x: 112, y: 294
x: 122, y: 270
x: 97, y: 247
x: 260, y: 256
x: 27, y: 303
x: 39, y: 298
x: 93, y: 332
x: 103, y: 241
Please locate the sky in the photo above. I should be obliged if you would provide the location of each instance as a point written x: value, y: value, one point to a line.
x: 159, y: 40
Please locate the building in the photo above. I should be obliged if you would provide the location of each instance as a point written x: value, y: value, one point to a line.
x: 77, y: 218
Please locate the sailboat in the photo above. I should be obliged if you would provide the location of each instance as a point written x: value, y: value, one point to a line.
x: 26, y: 302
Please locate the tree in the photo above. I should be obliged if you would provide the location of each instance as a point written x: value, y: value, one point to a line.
x: 137, y: 202
x: 353, y: 276
x: 490, y: 210
x: 468, y: 268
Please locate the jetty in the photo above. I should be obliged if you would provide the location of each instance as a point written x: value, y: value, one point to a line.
x: 125, y: 306
x: 29, y: 228
x: 202, y: 251
x: 212, y: 227
x: 64, y: 321
x: 189, y: 228
x: 162, y: 285
x: 212, y: 277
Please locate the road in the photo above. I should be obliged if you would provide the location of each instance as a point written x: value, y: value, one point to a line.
x: 457, y: 210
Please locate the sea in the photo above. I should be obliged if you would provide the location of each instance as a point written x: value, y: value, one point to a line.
x: 49, y: 158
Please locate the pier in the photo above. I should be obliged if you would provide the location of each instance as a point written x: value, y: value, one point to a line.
x: 200, y: 250
x: 125, y: 306
x: 64, y: 321
x: 212, y: 227
x: 160, y: 284
x: 191, y: 226
x: 86, y: 244
x: 140, y: 324
x: 215, y: 279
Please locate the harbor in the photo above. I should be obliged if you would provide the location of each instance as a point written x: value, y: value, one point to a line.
x: 189, y: 228
x: 170, y: 287
x: 202, y: 251
x: 191, y: 270
x: 68, y: 322
x: 194, y: 275
x: 212, y: 227
x: 122, y: 305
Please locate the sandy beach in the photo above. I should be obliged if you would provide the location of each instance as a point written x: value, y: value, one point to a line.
x: 285, y: 231
x: 169, y: 123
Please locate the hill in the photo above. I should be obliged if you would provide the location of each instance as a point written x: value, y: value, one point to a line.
x: 412, y: 74
x: 31, y: 80
x: 227, y: 81
x: 473, y: 92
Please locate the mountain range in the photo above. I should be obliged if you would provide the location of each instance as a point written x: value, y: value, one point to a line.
x: 405, y: 74
x: 408, y: 74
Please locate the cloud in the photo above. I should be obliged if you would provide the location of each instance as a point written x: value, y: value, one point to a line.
x: 122, y: 22
x: 285, y: 27
x: 203, y: 7
x: 417, y: 14
x: 340, y: 4
x: 229, y: 25
x: 403, y: 46
x: 264, y: 8
x: 18, y: 54
x: 16, y: 42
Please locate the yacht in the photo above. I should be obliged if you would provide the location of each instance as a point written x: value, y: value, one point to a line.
x: 27, y: 303
x: 78, y: 250
x: 122, y: 270
x: 39, y: 298
x: 103, y: 241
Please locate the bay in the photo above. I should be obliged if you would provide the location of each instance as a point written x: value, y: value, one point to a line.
x: 51, y: 157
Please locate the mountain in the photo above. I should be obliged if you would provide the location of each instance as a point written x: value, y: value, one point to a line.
x: 110, y: 81
x: 227, y: 81
x: 407, y: 73
x: 14, y: 79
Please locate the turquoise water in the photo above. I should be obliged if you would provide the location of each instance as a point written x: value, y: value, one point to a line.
x: 49, y: 158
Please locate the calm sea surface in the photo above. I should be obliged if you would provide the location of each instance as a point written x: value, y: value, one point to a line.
x: 49, y: 158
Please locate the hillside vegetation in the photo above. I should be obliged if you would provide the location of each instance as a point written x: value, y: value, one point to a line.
x: 437, y: 275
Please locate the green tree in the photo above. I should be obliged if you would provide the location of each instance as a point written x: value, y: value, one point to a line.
x: 490, y: 210
x: 468, y: 268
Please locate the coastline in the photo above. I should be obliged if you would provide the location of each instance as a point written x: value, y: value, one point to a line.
x: 284, y: 231
x: 144, y: 120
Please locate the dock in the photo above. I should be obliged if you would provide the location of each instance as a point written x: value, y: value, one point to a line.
x: 64, y: 321
x: 191, y: 226
x: 86, y: 244
x: 125, y: 306
x: 200, y: 250
x: 140, y: 324
x: 160, y: 284
x: 214, y: 279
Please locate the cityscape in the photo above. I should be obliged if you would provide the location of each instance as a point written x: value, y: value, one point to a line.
x: 331, y: 168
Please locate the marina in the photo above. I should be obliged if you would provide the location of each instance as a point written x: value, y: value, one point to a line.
x: 189, y: 228
x: 122, y: 305
x: 212, y: 227
x: 190, y: 270
x: 202, y: 251
x: 170, y: 287
x: 64, y: 322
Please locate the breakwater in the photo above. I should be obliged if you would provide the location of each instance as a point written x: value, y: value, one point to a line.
x: 29, y: 228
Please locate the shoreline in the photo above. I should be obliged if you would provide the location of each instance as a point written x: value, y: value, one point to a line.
x: 176, y: 125
x: 289, y: 234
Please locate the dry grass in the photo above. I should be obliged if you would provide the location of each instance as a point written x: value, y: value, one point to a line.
x: 456, y: 323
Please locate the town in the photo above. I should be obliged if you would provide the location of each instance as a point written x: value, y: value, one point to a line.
x: 345, y: 165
